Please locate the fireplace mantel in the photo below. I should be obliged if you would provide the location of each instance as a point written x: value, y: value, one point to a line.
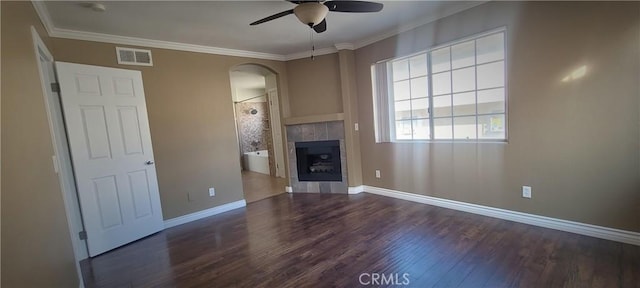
x: 314, y: 119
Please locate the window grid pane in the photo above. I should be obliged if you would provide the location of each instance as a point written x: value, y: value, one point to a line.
x: 441, y: 83
x: 491, y: 126
x: 403, y: 109
x: 422, y: 129
x: 463, y: 80
x: 463, y: 54
x: 464, y: 127
x: 443, y: 130
x: 401, y: 90
x: 455, y: 92
x: 418, y: 66
x: 464, y: 104
x: 403, y: 130
x: 411, y: 92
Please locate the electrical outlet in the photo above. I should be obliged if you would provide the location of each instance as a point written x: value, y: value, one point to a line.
x: 526, y: 191
x: 377, y: 173
x: 356, y: 126
x: 212, y: 191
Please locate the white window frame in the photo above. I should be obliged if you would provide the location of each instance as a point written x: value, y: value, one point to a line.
x: 390, y: 126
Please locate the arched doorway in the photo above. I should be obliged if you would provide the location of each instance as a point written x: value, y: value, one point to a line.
x: 256, y: 107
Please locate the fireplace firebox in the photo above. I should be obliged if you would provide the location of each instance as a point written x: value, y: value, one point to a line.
x: 319, y: 161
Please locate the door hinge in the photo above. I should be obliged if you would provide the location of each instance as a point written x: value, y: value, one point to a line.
x: 82, y: 235
x: 55, y: 87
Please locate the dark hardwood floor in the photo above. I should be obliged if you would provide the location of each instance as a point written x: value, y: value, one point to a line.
x: 323, y: 240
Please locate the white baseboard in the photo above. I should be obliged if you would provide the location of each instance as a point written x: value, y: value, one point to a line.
x: 204, y: 213
x: 618, y: 235
x: 356, y: 190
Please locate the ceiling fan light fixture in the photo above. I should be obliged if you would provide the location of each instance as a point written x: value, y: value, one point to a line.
x: 311, y: 13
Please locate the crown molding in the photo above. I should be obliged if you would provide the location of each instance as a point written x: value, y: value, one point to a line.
x: 345, y: 46
x: 415, y: 24
x: 43, y: 13
x: 124, y: 40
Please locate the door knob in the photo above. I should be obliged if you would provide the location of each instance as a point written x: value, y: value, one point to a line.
x: 149, y: 162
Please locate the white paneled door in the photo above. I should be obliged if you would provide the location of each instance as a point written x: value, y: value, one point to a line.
x: 106, y: 119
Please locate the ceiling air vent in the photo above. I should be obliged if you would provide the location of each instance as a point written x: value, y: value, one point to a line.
x: 131, y: 56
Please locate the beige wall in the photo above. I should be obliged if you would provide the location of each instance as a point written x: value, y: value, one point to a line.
x: 36, y: 248
x: 350, y: 106
x: 577, y: 144
x: 314, y: 85
x: 191, y: 118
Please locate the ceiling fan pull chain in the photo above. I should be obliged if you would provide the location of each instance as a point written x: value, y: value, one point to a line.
x: 313, y: 46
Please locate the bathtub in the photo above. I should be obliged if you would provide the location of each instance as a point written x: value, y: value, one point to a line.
x: 257, y: 161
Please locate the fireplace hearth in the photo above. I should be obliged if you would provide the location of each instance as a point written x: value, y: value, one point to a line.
x: 319, y: 161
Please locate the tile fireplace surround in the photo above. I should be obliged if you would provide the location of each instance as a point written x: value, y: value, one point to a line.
x: 321, y: 131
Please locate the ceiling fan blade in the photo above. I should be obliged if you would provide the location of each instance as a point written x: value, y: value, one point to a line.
x: 321, y: 27
x: 353, y: 6
x: 272, y: 17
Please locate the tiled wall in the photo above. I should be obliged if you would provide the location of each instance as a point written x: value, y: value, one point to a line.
x: 255, y: 127
x: 333, y: 130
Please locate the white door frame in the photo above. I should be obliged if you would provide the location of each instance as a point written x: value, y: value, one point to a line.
x: 276, y: 131
x: 61, y: 161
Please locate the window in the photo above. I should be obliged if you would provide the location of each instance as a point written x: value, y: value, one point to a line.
x: 454, y: 92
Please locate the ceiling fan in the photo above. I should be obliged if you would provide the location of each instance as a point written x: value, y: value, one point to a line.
x: 313, y: 13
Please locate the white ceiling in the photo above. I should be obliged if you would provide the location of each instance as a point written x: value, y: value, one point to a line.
x: 225, y: 24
